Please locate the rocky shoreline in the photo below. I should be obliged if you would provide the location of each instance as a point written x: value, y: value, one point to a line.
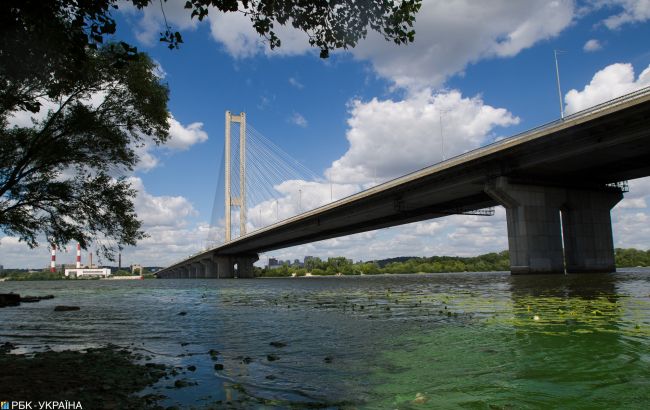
x: 14, y: 299
x: 102, y: 378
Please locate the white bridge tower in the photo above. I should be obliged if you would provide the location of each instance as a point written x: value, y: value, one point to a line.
x: 241, y: 200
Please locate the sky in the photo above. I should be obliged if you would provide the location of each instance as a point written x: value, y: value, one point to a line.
x: 483, y: 70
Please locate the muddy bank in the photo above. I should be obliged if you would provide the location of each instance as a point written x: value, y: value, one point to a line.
x: 101, y: 378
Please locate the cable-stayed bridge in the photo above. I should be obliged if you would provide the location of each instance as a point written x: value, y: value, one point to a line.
x: 558, y: 183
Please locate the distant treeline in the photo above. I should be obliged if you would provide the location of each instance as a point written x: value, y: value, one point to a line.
x: 332, y: 266
x: 629, y: 258
x: 39, y: 275
x: 488, y: 262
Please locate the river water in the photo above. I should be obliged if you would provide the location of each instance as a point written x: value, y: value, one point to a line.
x: 461, y: 340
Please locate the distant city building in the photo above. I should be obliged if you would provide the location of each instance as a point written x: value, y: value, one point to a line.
x: 97, y: 272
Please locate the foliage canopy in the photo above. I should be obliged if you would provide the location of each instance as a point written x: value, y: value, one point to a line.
x: 60, y: 176
x: 96, y: 102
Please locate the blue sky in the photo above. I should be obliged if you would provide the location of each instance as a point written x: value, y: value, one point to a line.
x: 373, y: 113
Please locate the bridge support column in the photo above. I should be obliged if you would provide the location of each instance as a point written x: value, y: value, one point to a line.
x: 199, y: 273
x: 209, y: 268
x: 186, y: 272
x: 245, y: 268
x: 587, y: 228
x: 225, y: 269
x: 534, y: 231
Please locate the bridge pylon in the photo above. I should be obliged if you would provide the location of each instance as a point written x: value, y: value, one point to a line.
x: 230, y: 200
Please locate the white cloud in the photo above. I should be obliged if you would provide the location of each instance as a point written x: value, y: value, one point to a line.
x: 296, y: 83
x: 146, y: 159
x: 158, y: 70
x: 152, y: 21
x: 160, y: 211
x: 631, y: 218
x: 294, y: 197
x: 236, y: 33
x: 391, y: 138
x: 182, y: 137
x: 27, y: 118
x: 592, y: 45
x: 298, y: 119
x: 449, y: 36
x: 639, y: 195
x: 460, y: 235
x: 630, y: 11
x: 452, y: 34
x: 610, y: 82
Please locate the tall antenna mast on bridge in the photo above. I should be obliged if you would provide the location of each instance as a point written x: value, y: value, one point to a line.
x: 557, y: 76
x: 241, y: 200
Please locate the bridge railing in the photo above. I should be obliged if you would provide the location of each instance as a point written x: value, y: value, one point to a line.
x: 579, y: 114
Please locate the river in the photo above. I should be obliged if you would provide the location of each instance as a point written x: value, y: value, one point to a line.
x: 461, y: 340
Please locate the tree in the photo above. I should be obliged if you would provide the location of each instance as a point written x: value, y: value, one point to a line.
x: 60, y: 177
x: 329, y: 24
x: 45, y: 42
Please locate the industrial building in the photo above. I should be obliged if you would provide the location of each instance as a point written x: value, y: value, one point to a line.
x: 88, y: 272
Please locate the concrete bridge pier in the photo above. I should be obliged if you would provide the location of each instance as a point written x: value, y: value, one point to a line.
x: 185, y: 272
x: 224, y: 267
x: 536, y: 236
x: 199, y: 272
x: 587, y: 228
x: 209, y: 268
x: 244, y: 266
x: 534, y: 230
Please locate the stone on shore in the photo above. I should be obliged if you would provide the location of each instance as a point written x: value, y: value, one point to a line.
x: 9, y: 299
x: 33, y: 299
x: 62, y: 308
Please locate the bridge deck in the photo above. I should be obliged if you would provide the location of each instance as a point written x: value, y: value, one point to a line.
x: 607, y: 143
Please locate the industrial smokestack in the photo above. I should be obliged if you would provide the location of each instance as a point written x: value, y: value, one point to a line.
x: 53, y: 259
x: 78, y: 256
x: 90, y: 254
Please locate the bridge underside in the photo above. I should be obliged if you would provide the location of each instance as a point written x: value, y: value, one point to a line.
x: 214, y: 267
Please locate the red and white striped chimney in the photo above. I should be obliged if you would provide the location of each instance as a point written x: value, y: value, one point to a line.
x: 53, y: 259
x: 78, y: 256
